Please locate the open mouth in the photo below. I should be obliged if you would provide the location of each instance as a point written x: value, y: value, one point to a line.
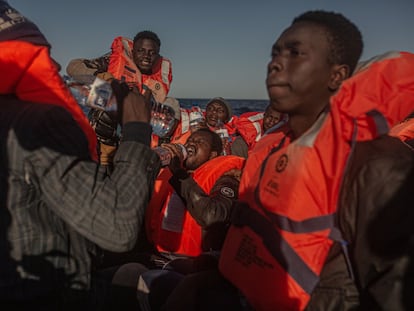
x: 212, y: 121
x: 145, y: 63
x: 190, y: 151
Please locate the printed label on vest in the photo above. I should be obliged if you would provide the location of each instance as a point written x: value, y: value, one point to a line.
x: 174, y: 214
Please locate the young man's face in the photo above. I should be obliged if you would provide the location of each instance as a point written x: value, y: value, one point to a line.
x: 198, y: 146
x: 145, y: 54
x: 270, y: 118
x: 299, y: 72
x: 215, y: 112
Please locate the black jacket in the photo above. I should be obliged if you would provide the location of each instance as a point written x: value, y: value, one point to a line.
x: 375, y: 215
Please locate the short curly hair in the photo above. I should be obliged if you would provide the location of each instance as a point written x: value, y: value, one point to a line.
x: 147, y: 34
x: 216, y: 142
x: 344, y: 37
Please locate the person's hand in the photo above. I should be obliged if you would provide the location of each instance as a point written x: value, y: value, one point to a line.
x: 105, y: 126
x: 177, y: 157
x: 235, y: 172
x: 132, y: 106
x: 107, y: 76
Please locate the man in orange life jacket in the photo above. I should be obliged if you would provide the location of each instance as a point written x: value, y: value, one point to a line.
x: 151, y: 71
x: 154, y: 71
x: 219, y: 117
x: 56, y: 213
x: 375, y: 191
x: 207, y: 185
x: 190, y: 210
x: 251, y: 126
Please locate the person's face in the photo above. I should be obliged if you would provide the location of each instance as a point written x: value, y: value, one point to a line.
x: 216, y: 111
x: 270, y: 118
x: 199, y: 151
x: 299, y: 76
x: 145, y: 54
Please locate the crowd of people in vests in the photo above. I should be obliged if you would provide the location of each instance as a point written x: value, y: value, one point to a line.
x: 306, y: 205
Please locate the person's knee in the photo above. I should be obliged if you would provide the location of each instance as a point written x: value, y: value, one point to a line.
x: 128, y: 274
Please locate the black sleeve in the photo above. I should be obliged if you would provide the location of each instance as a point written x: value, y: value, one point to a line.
x: 207, y: 209
x: 100, y: 64
x: 239, y: 147
x: 377, y: 220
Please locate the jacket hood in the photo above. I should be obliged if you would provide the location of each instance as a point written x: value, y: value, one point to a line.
x: 14, y: 26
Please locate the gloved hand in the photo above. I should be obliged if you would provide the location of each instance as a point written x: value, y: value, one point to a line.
x: 105, y: 126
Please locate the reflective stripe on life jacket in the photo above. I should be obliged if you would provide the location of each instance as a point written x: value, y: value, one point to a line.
x: 277, y: 241
x: 122, y: 67
x: 33, y: 77
x: 281, y: 233
x: 169, y: 226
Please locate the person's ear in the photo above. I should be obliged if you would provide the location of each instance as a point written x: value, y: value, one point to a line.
x: 213, y: 154
x: 338, y: 75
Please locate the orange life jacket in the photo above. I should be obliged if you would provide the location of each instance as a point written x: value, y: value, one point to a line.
x: 122, y: 66
x: 404, y: 130
x: 250, y: 127
x: 32, y: 76
x: 169, y: 225
x: 282, y: 230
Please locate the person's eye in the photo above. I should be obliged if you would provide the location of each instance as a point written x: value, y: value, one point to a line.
x: 294, y: 52
x: 275, y: 52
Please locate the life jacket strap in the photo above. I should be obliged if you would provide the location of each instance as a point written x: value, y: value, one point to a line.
x: 380, y: 122
x: 337, y: 236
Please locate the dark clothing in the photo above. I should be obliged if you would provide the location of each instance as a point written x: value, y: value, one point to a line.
x: 375, y: 217
x: 206, y: 290
x: 212, y: 212
x: 57, y: 210
x: 239, y: 147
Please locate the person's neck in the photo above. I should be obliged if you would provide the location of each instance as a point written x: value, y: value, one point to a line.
x: 299, y: 124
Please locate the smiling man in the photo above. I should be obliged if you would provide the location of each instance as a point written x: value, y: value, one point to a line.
x: 219, y: 118
x: 136, y: 61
